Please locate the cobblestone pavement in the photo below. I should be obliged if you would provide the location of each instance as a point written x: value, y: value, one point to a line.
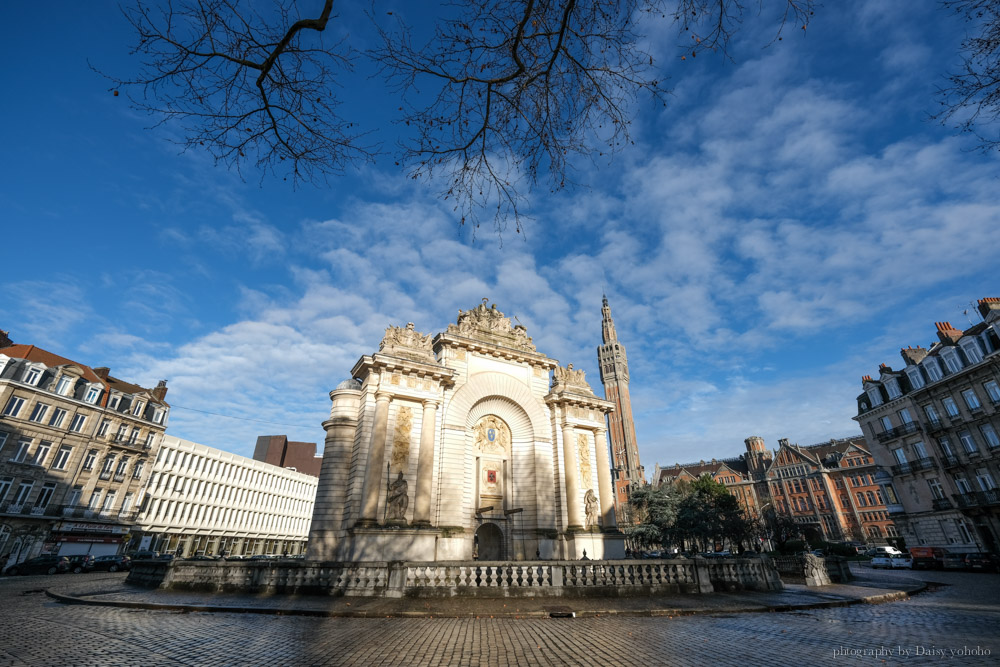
x: 961, y: 614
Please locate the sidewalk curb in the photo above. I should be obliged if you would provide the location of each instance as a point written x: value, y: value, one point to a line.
x: 590, y: 613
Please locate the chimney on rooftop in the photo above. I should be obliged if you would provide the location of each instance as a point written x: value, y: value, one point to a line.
x: 946, y: 333
x: 5, y: 340
x: 989, y: 308
x: 160, y: 392
x: 102, y: 372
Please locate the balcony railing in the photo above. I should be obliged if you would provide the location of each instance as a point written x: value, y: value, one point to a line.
x: 977, y: 499
x: 941, y: 504
x: 97, y: 514
x: 105, y: 474
x: 935, y: 425
x: 902, y: 429
x: 120, y: 478
x: 950, y: 460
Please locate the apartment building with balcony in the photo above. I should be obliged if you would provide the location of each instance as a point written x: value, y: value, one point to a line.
x: 203, y: 501
x: 934, y: 429
x: 74, y: 445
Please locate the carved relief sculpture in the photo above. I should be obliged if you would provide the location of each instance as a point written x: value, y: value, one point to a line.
x: 401, y: 440
x: 591, y: 507
x: 569, y: 378
x: 583, y: 456
x: 491, y: 435
x: 489, y: 320
x: 407, y: 342
x: 398, y: 500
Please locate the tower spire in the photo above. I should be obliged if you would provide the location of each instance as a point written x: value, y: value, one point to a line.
x: 627, y: 472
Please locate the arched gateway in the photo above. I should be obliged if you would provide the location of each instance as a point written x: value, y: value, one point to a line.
x: 494, y: 445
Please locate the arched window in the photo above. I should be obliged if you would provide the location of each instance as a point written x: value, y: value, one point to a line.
x: 871, y: 498
x: 874, y: 531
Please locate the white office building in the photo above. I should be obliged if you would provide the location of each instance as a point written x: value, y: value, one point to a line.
x: 204, y: 501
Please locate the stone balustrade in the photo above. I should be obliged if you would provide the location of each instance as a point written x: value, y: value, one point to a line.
x: 464, y: 578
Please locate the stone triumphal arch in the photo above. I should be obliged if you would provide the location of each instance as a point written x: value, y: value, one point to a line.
x: 465, y: 444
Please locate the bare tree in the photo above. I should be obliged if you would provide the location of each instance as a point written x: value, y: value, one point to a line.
x: 518, y: 88
x: 972, y: 101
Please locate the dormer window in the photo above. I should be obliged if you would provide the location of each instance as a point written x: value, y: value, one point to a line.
x: 137, y: 408
x: 971, y: 350
x: 158, y: 416
x: 951, y: 360
x: 93, y: 393
x: 916, y: 379
x: 32, y: 375
x: 892, y: 386
x: 875, y: 396
x: 64, y: 385
x: 933, y: 369
x: 115, y: 400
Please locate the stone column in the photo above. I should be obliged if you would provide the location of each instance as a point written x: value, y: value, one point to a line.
x: 574, y: 512
x: 376, y: 456
x: 605, y: 489
x: 425, y: 465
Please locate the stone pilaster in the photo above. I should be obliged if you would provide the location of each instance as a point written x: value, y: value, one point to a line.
x: 376, y: 457
x: 605, y: 489
x: 425, y: 465
x: 574, y: 511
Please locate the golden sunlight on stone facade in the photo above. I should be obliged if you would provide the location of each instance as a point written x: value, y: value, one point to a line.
x: 456, y: 446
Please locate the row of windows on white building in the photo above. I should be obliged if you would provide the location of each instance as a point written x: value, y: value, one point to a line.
x: 180, y: 513
x: 191, y: 464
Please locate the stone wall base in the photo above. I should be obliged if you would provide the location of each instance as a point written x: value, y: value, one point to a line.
x: 597, y: 578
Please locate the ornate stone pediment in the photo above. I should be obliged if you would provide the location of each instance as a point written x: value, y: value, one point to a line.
x: 408, y: 343
x: 490, y: 325
x: 570, y: 378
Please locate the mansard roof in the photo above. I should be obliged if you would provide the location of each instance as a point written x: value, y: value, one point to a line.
x: 51, y: 360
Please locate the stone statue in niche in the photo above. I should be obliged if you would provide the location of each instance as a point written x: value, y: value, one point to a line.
x: 398, y: 500
x: 590, y: 506
x: 401, y: 439
x: 583, y: 457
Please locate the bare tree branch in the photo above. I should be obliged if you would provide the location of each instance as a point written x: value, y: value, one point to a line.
x: 518, y: 89
x: 972, y: 101
x: 244, y: 86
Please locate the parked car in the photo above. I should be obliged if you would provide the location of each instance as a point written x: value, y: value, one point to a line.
x: 112, y: 563
x: 47, y: 564
x: 982, y: 562
x: 892, y: 562
x: 883, y: 551
x: 80, y: 563
x: 143, y: 555
x: 858, y: 547
x: 953, y: 561
x: 927, y: 558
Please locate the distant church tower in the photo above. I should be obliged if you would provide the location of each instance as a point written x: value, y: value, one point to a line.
x: 627, y: 471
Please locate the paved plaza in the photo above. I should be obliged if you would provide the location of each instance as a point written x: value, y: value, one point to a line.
x: 958, y: 615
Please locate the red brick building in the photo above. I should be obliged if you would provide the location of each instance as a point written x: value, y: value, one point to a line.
x: 278, y: 450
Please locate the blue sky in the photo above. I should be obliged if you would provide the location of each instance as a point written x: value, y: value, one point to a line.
x: 785, y: 224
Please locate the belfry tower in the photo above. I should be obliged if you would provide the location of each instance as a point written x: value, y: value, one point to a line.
x: 626, y: 471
